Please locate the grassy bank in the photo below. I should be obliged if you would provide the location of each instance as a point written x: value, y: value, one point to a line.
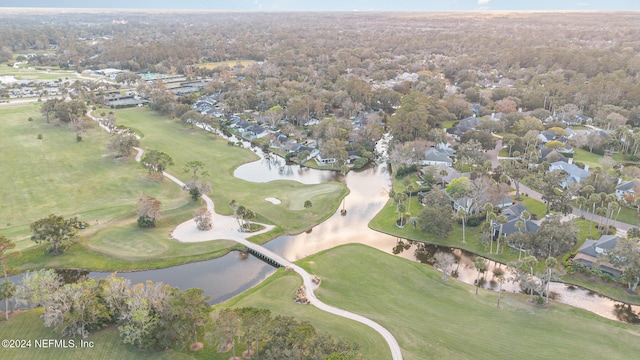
x: 184, y: 144
x: 432, y: 319
x: 60, y: 175
x: 70, y: 178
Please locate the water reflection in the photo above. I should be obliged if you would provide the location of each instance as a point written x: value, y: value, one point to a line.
x: 221, y: 278
x: 232, y: 274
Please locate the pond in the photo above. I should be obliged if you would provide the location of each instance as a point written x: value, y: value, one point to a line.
x: 232, y: 274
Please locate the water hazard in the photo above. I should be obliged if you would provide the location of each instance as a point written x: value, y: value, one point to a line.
x: 232, y: 274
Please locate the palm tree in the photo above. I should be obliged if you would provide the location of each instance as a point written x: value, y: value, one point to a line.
x: 462, y: 213
x: 443, y: 173
x: 498, y: 274
x: 480, y: 264
x: 550, y: 263
x: 491, y: 216
x: 581, y: 201
x: 410, y: 189
x: 240, y: 213
x: 501, y: 220
x: 529, y: 262
x: 511, y: 143
x: 593, y: 200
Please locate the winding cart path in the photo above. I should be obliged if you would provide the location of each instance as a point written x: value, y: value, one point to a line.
x: 226, y: 227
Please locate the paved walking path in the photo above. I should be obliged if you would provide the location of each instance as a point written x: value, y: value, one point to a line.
x: 621, y: 226
x: 226, y: 227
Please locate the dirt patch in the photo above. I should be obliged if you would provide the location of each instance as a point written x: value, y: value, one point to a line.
x: 196, y: 346
x: 247, y: 354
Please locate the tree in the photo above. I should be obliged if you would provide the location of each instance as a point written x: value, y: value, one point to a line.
x: 443, y: 261
x: 8, y: 288
x: 47, y: 108
x: 40, y: 137
x: 197, y: 188
x: 548, y: 183
x: 145, y: 322
x: 481, y: 265
x: 188, y: 310
x: 436, y: 220
x: 308, y: 204
x: 156, y: 162
x: 498, y: 274
x: 553, y: 238
x: 38, y: 286
x: 470, y: 153
x: 516, y: 171
x: 501, y: 220
x: 57, y: 231
x: 228, y: 327
x: 148, y: 211
x: 6, y: 244
x: 274, y: 115
x: 122, y: 143
x: 458, y: 188
x: 626, y: 255
x: 75, y: 309
x: 549, y: 264
x: 196, y: 168
x: 462, y: 214
x: 528, y: 263
x: 485, y: 138
x: 203, y: 219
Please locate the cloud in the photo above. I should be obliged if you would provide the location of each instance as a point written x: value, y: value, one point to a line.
x: 483, y: 2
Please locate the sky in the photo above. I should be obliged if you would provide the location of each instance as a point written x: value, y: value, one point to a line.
x: 334, y: 5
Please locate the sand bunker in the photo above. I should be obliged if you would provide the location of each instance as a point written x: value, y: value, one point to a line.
x: 274, y: 200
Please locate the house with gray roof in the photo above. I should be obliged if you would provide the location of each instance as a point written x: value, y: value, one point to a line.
x: 435, y: 156
x: 592, y: 253
x: 627, y: 188
x: 466, y: 124
x: 514, y: 215
x: 574, y: 173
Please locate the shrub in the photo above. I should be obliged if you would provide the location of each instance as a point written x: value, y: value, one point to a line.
x: 474, y: 221
x: 358, y: 163
x: 403, y: 171
x: 567, y: 259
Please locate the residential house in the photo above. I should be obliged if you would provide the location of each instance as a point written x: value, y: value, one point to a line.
x: 435, y: 156
x: 254, y: 132
x: 443, y: 173
x: 574, y: 173
x: 464, y: 125
x: 514, y: 215
x: 589, y: 252
x: 630, y: 187
x: 552, y: 155
x: 324, y: 161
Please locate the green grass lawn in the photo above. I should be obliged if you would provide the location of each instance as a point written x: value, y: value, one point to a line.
x: 384, y: 222
x: 184, y: 144
x: 73, y: 178
x: 433, y: 319
x: 31, y: 73
x: 619, y: 157
x: 587, y: 158
x: 66, y: 177
x: 534, y: 206
x: 430, y: 318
